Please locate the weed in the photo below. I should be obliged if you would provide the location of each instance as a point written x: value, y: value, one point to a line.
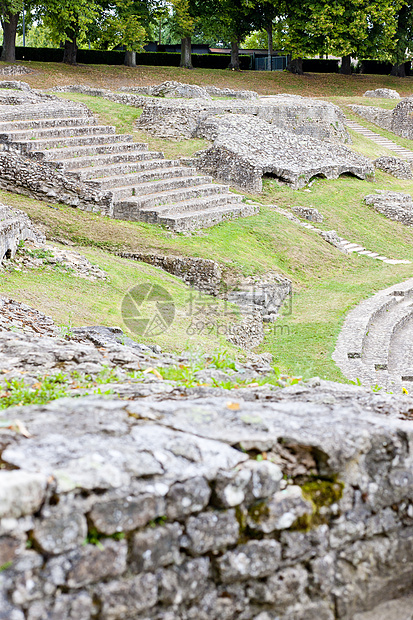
x: 18, y: 393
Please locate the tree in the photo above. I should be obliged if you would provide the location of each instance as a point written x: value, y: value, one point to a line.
x: 233, y: 20
x: 120, y: 24
x: 404, y: 41
x: 10, y: 12
x: 185, y: 12
x: 68, y: 20
x: 362, y: 28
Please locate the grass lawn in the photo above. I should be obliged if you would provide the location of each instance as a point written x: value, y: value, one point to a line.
x: 326, y: 282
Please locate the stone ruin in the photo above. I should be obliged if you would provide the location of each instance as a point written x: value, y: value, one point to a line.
x: 200, y: 503
x: 15, y: 70
x: 399, y: 168
x: 305, y: 117
x: 394, y: 205
x: 52, y: 149
x: 308, y: 213
x: 15, y: 227
x: 246, y: 148
x: 189, y: 91
x: 398, y: 120
x: 384, y: 93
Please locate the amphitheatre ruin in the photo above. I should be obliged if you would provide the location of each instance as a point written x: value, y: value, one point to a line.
x: 206, y: 353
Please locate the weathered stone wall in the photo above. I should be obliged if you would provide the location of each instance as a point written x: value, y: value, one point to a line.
x: 214, y: 91
x: 180, y: 119
x: 394, y: 205
x: 291, y: 504
x: 127, y: 99
x: 201, y: 273
x: 399, y: 168
x: 15, y: 70
x: 42, y: 180
x: 398, y: 120
x: 378, y: 116
x: 15, y: 226
x: 402, y: 123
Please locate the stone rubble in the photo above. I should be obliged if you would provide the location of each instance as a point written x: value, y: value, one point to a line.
x: 399, y: 168
x: 246, y: 148
x: 15, y: 70
x: 394, y: 205
x: 308, y: 213
x: 19, y: 316
x: 385, y: 93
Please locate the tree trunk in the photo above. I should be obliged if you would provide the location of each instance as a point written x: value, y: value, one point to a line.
x: 345, y: 68
x: 234, y: 64
x: 186, y: 51
x: 9, y: 37
x: 399, y: 70
x: 70, y: 51
x: 130, y: 59
x: 270, y: 44
x: 296, y: 66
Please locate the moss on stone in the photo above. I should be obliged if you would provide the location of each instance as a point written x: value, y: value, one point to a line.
x: 322, y: 494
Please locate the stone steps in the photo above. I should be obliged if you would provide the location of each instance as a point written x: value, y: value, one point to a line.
x: 205, y: 218
x: 120, y: 168
x: 90, y: 152
x: 380, y: 140
x: 139, y: 185
x: 133, y: 156
x: 184, y: 198
x: 152, y: 214
x: 375, y: 345
x: 43, y: 123
x: 156, y: 190
x: 33, y: 111
x: 147, y: 181
x: 51, y: 133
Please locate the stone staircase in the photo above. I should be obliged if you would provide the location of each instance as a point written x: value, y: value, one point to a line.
x: 144, y: 186
x: 375, y: 345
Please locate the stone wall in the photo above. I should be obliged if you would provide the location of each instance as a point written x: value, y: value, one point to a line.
x: 203, y: 274
x: 133, y: 100
x: 180, y: 119
x: 394, y: 205
x: 378, y: 116
x: 398, y: 120
x: 213, y: 91
x: 43, y: 181
x: 15, y: 226
x: 15, y: 70
x: 399, y: 168
x: 285, y: 504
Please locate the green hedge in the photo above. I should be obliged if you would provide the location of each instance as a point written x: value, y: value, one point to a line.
x: 157, y: 59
